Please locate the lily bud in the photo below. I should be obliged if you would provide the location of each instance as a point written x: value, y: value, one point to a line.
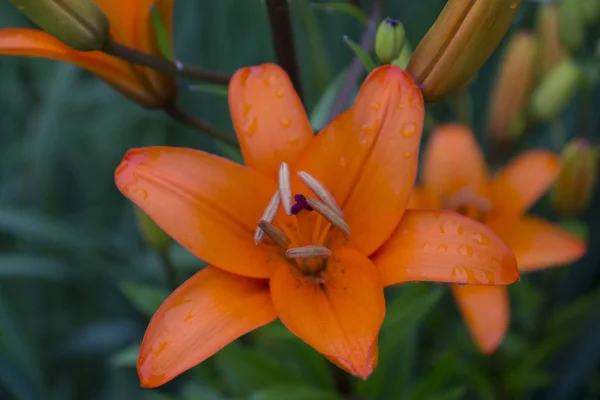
x: 389, y: 40
x: 576, y: 179
x: 154, y: 237
x: 513, y: 87
x: 80, y: 24
x: 556, y: 90
x: 571, y: 23
x: 550, y: 49
x: 462, y: 38
x: 404, y: 58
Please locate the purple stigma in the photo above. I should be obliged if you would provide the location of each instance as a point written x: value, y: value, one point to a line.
x: 300, y: 204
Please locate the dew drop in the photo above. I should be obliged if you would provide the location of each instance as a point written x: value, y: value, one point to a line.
x: 460, y: 230
x: 375, y: 106
x: 252, y: 127
x: 442, y: 247
x: 426, y: 245
x: 481, y: 238
x: 371, y: 129
x: 188, y: 317
x: 247, y: 109
x: 141, y: 194
x: 442, y: 228
x: 409, y: 129
x: 286, y: 122
x: 465, y: 250
x: 293, y: 141
x: 407, y: 154
x: 270, y: 80
x: 279, y: 93
x: 343, y: 161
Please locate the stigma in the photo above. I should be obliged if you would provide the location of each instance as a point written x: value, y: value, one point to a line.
x: 317, y: 218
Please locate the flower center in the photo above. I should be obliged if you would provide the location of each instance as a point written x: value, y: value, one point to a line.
x: 305, y: 239
x: 467, y: 202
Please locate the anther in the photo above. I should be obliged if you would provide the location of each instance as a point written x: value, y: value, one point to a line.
x: 310, y: 251
x: 277, y: 236
x: 334, y: 218
x: 268, y: 215
x: 320, y: 191
x: 285, y: 188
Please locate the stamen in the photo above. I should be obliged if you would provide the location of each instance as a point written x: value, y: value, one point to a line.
x: 466, y: 197
x: 310, y: 251
x: 285, y: 188
x: 275, y: 234
x: 321, y: 191
x: 268, y: 215
x: 330, y: 215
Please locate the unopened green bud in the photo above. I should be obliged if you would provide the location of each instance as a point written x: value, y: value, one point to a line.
x: 576, y: 180
x: 389, y: 40
x: 80, y: 24
x: 404, y: 58
x: 556, y: 90
x: 154, y: 237
x: 571, y: 23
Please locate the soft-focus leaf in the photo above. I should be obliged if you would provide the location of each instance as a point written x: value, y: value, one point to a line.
x: 33, y: 267
x: 99, y: 338
x: 126, y: 357
x: 292, y: 392
x: 16, y: 382
x: 346, y: 8
x: 209, y: 88
x: 364, y: 57
x: 144, y: 297
x: 320, y: 114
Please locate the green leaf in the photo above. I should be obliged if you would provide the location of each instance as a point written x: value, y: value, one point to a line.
x: 348, y: 9
x: 244, y: 369
x: 209, y: 88
x: 162, y: 36
x: 320, y: 113
x: 441, y: 373
x: 365, y: 58
x: 195, y: 391
x: 577, y: 227
x: 292, y: 392
x: 403, y: 315
x: 455, y: 393
x: 32, y: 226
x: 126, y: 357
x: 144, y: 297
x: 37, y: 267
x: 17, y: 383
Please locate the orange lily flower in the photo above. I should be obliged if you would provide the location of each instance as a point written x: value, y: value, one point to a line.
x: 333, y: 234
x: 454, y: 177
x: 130, y: 25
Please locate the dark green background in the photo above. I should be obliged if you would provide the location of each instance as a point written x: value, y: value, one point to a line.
x: 77, y: 284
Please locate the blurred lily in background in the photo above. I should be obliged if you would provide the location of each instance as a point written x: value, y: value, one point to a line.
x: 130, y: 25
x: 329, y: 237
x: 455, y: 177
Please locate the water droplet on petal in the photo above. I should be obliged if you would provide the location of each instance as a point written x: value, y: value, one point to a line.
x: 342, y: 161
x: 279, y: 93
x: 293, y: 141
x: 409, y: 129
x: 141, y: 194
x: 442, y: 247
x: 460, y: 230
x: 252, y: 127
x: 286, y: 122
x: 375, y: 106
x: 407, y: 154
x: 465, y: 250
x: 371, y: 129
x: 481, y: 238
x: 426, y: 245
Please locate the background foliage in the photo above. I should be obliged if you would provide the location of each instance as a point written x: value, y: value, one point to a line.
x: 78, y: 285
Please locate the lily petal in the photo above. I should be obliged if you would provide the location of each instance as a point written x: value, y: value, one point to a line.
x: 36, y: 43
x: 453, y: 159
x: 207, y: 312
x: 521, y: 184
x: 486, y: 310
x: 369, y: 154
x: 443, y: 246
x: 208, y: 204
x: 268, y: 116
x: 339, y: 313
x: 539, y: 244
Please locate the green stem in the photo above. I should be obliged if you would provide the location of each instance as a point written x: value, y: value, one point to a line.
x: 163, y: 65
x: 182, y: 116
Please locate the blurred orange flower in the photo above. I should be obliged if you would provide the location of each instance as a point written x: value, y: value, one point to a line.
x: 321, y: 268
x: 454, y: 177
x: 130, y: 25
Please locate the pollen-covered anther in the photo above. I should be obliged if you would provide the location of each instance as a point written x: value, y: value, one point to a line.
x: 268, y: 215
x: 277, y: 236
x: 329, y: 214
x: 320, y: 191
x: 310, y: 251
x: 285, y: 188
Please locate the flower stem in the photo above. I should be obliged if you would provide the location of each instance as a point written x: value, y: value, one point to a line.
x: 182, y: 116
x: 283, y: 40
x: 366, y: 43
x: 161, y: 64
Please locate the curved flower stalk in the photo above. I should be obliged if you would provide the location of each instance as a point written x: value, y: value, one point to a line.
x: 309, y: 231
x: 130, y: 25
x: 455, y: 178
